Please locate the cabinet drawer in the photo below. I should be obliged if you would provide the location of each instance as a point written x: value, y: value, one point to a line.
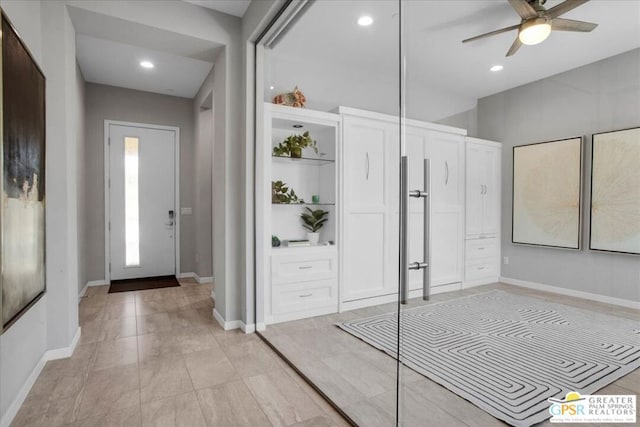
x: 305, y: 296
x: 292, y: 268
x: 481, y: 248
x: 480, y: 270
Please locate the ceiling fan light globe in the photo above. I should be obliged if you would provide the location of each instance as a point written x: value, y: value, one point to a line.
x: 534, y: 31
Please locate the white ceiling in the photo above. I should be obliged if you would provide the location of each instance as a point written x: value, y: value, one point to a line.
x: 109, y: 51
x: 118, y: 64
x: 231, y: 7
x: 434, y: 31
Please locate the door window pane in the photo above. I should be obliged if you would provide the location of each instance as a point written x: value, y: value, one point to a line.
x: 131, y: 208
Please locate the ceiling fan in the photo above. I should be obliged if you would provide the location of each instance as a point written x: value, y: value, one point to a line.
x: 538, y: 22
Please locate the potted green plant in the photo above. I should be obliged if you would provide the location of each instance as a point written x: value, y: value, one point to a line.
x: 293, y: 145
x: 313, y: 220
x: 282, y: 194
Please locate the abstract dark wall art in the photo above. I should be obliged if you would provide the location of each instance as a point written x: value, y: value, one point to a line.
x: 22, y: 213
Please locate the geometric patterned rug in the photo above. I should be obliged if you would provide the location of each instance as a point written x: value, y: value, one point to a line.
x: 508, y: 353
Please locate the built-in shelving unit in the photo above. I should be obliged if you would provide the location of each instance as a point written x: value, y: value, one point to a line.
x: 299, y: 281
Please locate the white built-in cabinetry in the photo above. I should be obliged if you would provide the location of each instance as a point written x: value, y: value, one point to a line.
x: 482, y: 239
x: 297, y: 282
x: 356, y: 174
x: 370, y: 205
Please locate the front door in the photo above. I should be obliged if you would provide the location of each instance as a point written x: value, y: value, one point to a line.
x: 142, y: 212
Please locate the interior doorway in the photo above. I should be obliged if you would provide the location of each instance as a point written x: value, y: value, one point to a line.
x: 142, y: 226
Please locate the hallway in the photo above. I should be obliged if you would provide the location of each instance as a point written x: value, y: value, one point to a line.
x: 157, y: 357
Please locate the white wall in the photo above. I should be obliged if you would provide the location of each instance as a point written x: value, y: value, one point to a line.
x: 112, y: 103
x: 53, y: 322
x: 329, y: 85
x: 598, y: 97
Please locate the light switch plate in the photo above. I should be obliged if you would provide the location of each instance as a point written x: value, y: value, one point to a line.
x: 186, y: 211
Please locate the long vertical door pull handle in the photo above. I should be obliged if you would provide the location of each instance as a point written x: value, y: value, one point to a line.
x: 446, y: 173
x: 426, y: 271
x: 367, y: 167
x: 404, y: 220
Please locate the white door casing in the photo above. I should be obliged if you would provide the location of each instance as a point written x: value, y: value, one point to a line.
x: 157, y: 199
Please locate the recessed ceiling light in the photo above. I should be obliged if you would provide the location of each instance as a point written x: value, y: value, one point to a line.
x: 146, y: 64
x: 496, y: 68
x: 365, y: 21
x: 271, y: 88
x: 297, y: 126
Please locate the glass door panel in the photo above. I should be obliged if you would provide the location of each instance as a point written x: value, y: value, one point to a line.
x: 509, y: 129
x: 332, y: 74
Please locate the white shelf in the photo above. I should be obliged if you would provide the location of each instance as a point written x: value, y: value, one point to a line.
x: 307, y: 161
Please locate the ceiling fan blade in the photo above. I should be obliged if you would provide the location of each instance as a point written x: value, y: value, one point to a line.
x: 514, y: 47
x: 564, y: 7
x: 523, y: 8
x: 561, y: 24
x: 492, y: 33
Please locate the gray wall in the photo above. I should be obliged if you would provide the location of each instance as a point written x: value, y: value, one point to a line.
x: 83, y: 207
x: 599, y: 97
x: 52, y: 323
x: 203, y: 175
x: 112, y: 103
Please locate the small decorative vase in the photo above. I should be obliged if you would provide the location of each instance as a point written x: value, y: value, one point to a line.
x: 296, y: 152
x: 313, y: 238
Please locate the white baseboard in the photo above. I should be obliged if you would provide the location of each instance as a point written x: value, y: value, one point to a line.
x: 58, y: 353
x: 82, y: 292
x: 233, y: 324
x: 208, y: 279
x: 63, y: 353
x: 192, y: 275
x: 570, y: 292
x: 13, y: 409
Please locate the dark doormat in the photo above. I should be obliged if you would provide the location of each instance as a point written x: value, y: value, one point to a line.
x: 142, y: 284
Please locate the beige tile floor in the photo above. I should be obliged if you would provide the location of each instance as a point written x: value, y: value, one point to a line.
x: 361, y: 379
x: 157, y: 358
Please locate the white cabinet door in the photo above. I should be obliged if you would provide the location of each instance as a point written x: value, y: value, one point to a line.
x: 367, y: 179
x: 446, y: 152
x: 364, y: 164
x: 492, y: 193
x: 447, y: 155
x: 446, y: 247
x: 475, y: 190
x: 483, y: 189
x: 364, y: 256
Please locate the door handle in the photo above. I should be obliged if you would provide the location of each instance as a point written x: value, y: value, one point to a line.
x: 426, y: 271
x: 404, y: 219
x: 404, y: 223
x: 446, y: 173
x: 367, y: 167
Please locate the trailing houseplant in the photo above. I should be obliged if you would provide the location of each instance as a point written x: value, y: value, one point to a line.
x: 282, y: 194
x: 313, y: 220
x: 294, y: 144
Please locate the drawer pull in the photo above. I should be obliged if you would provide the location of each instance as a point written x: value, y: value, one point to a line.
x: 305, y: 267
x: 481, y: 249
x: 305, y: 295
x: 480, y: 268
